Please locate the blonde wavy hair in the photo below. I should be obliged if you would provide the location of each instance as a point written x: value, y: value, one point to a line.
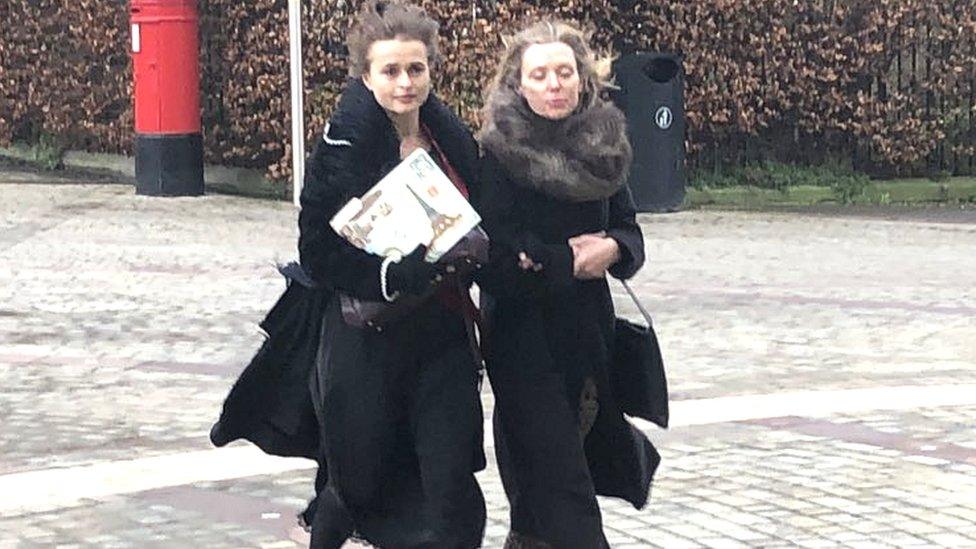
x: 594, y: 71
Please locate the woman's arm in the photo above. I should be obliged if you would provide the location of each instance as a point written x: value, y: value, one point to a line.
x: 333, y: 169
x: 623, y: 228
x: 501, y: 218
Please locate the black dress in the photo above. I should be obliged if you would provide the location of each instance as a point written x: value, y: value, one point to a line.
x: 551, y: 342
x: 399, y: 410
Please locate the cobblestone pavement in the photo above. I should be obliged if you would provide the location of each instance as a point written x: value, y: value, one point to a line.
x: 823, y: 370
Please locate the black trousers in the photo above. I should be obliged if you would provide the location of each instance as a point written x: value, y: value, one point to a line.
x: 401, y: 427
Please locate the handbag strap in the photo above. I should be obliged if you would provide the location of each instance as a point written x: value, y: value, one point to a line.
x: 446, y: 165
x: 646, y: 315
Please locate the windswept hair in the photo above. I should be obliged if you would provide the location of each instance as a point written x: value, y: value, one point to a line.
x: 389, y: 20
x: 594, y: 72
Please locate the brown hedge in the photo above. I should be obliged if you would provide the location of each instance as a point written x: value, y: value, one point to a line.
x: 885, y: 84
x: 64, y: 70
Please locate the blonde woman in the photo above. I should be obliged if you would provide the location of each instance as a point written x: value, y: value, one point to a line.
x: 560, y: 218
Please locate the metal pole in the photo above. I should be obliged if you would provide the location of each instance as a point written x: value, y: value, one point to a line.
x: 297, y: 99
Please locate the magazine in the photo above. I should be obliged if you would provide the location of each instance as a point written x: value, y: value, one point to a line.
x: 416, y: 203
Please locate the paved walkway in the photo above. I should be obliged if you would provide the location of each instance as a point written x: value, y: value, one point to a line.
x: 823, y: 370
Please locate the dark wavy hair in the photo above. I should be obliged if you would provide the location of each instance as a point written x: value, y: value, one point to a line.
x: 388, y: 20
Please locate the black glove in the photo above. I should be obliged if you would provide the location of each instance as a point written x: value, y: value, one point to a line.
x: 538, y: 251
x: 412, y: 275
x: 556, y: 260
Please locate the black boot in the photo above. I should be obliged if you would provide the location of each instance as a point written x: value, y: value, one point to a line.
x: 331, y: 523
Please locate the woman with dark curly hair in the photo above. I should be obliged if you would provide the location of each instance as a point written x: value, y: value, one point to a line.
x: 560, y: 218
x: 399, y: 408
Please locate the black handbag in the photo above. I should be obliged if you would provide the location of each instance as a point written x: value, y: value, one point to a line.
x: 637, y: 373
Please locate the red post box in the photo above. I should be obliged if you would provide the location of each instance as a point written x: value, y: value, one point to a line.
x: 166, y: 72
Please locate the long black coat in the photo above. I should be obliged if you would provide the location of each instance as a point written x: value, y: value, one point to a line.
x: 400, y: 414
x: 270, y: 404
x: 276, y: 403
x: 549, y: 333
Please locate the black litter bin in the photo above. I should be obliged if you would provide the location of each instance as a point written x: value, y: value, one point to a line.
x: 651, y: 95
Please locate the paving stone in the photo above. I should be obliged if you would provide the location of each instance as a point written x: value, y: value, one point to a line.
x: 124, y: 320
x: 947, y: 539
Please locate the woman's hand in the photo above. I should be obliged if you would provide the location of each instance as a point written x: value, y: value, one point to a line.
x: 527, y: 264
x: 412, y: 274
x: 533, y: 253
x: 593, y: 254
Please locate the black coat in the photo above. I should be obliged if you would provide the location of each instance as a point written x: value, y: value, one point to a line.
x: 270, y: 404
x: 549, y: 333
x: 399, y: 410
x: 276, y: 402
x: 364, y: 147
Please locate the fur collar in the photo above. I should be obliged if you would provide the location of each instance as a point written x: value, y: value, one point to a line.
x: 583, y: 157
